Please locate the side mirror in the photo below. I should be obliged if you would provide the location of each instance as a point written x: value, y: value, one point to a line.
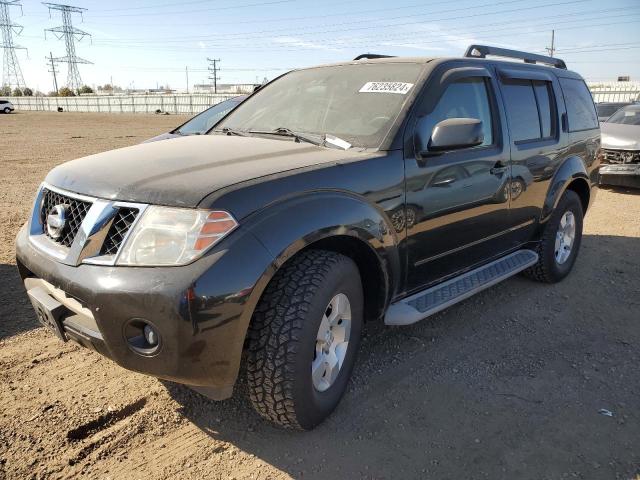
x: 449, y: 134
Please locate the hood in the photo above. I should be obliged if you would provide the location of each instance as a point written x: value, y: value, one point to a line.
x: 185, y: 170
x: 162, y: 136
x: 620, y: 137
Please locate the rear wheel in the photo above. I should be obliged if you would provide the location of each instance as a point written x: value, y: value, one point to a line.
x: 560, y: 242
x: 303, y: 339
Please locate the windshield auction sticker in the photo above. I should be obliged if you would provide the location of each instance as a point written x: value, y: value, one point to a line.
x: 386, y: 87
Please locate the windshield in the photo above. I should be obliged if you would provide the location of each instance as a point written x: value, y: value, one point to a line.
x: 357, y: 103
x: 207, y: 119
x: 626, y: 116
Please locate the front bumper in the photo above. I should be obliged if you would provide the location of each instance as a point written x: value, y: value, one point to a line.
x: 201, y: 310
x: 624, y: 175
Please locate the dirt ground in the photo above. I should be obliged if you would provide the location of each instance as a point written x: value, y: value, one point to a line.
x: 508, y: 384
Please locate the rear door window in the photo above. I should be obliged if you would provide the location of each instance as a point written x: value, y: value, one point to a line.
x: 522, y: 110
x: 530, y: 108
x: 580, y: 107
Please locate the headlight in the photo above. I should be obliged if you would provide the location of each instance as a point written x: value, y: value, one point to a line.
x: 174, y: 236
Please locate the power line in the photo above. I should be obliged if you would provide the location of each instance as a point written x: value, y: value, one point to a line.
x: 11, y: 71
x: 564, y: 51
x: 183, y: 12
x: 466, y: 30
x: 369, y: 26
x: 70, y: 35
x: 146, y: 7
x: 571, y: 49
x: 365, y: 44
x: 358, y: 13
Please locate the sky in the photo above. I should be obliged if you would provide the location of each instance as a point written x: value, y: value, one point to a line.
x: 150, y: 43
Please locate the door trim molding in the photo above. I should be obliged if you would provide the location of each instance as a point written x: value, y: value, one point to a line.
x: 467, y: 245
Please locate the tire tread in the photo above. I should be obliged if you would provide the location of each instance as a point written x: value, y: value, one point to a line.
x: 541, y: 270
x: 275, y: 330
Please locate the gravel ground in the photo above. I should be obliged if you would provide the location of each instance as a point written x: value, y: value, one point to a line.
x: 508, y: 384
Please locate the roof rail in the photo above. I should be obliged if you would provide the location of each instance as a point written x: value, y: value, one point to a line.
x: 481, y: 51
x: 370, y: 56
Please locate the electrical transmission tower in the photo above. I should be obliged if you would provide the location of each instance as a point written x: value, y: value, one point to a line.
x: 213, y: 72
x: 11, y: 72
x: 52, y: 69
x: 70, y: 35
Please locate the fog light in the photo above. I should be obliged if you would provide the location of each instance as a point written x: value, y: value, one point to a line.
x: 150, y: 335
x: 142, y: 337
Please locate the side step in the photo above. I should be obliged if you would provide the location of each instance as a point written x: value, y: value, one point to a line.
x: 432, y: 300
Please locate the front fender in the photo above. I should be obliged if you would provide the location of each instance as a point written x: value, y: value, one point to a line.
x: 293, y: 224
x: 571, y: 169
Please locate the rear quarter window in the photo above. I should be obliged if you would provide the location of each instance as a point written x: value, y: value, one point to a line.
x: 580, y: 107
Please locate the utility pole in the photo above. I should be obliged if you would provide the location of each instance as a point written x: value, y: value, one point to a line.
x: 54, y: 71
x: 213, y: 70
x: 70, y: 35
x: 11, y: 73
x: 186, y: 71
x: 552, y: 48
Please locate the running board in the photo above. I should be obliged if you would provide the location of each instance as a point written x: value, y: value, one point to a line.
x: 432, y: 300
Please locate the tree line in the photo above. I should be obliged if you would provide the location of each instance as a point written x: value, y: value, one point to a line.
x: 6, y: 91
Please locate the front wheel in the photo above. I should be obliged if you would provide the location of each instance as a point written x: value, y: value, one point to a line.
x: 560, y: 242
x: 7, y: 110
x: 303, y: 339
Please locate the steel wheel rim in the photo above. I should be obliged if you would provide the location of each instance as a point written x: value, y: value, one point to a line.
x: 565, y: 237
x: 332, y: 342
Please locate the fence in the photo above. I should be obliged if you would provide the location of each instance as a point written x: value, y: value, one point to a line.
x: 615, y: 91
x: 188, y: 104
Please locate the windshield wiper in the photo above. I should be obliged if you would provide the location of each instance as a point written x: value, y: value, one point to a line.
x: 233, y: 131
x: 287, y: 132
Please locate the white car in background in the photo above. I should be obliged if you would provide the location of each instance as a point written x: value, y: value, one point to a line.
x: 6, y: 106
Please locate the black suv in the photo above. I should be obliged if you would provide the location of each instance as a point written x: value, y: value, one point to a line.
x: 379, y: 188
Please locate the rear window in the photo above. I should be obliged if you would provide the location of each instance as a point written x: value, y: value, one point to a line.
x: 530, y: 108
x: 580, y: 107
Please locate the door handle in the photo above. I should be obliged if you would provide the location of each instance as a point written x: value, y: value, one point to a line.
x: 445, y: 182
x: 498, y: 168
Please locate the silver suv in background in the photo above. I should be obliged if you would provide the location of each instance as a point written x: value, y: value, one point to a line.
x: 621, y: 148
x: 6, y: 106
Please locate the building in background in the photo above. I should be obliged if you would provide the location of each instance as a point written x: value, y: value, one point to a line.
x: 227, y: 88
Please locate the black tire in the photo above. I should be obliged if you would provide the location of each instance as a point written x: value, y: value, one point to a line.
x: 547, y: 269
x: 7, y: 110
x: 282, y: 338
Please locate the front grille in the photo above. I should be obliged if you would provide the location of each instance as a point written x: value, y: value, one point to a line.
x: 75, y: 211
x: 620, y: 156
x: 119, y: 228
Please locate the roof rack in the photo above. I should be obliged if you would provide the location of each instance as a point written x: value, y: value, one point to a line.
x: 370, y: 56
x: 481, y: 51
